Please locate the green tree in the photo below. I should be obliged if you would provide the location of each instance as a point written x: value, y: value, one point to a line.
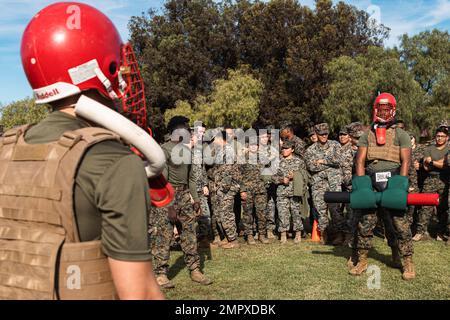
x: 191, y: 44
x: 234, y: 100
x: 427, y: 56
x: 22, y: 112
x: 357, y: 81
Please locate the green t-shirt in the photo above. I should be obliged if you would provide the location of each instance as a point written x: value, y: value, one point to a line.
x: 436, y: 155
x: 178, y: 169
x: 111, y: 191
x: 401, y: 139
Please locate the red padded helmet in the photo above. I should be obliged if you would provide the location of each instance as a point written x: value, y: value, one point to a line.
x: 71, y: 47
x: 384, y: 108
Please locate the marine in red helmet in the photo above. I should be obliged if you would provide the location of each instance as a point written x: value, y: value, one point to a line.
x: 74, y: 199
x: 383, y: 152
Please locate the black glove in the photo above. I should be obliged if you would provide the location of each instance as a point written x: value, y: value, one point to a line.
x: 172, y: 214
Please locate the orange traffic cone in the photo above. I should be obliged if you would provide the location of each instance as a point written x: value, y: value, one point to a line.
x: 315, y: 235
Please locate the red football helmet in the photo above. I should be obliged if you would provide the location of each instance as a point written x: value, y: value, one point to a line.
x: 71, y: 47
x: 384, y: 108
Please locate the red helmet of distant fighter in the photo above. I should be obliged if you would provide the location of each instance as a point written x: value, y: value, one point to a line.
x: 71, y: 47
x: 384, y: 108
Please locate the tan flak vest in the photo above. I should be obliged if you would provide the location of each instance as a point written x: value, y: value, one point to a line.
x: 388, y: 152
x: 41, y: 256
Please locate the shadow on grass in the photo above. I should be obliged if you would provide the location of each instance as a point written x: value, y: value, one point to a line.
x: 345, y: 252
x: 175, y: 269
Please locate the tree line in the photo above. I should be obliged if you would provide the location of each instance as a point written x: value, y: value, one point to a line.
x: 254, y: 63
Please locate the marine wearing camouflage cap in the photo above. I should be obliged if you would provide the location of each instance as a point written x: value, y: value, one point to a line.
x: 322, y: 128
x: 355, y: 129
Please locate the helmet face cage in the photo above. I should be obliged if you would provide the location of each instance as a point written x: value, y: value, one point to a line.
x: 385, y: 108
x: 384, y: 113
x: 133, y: 95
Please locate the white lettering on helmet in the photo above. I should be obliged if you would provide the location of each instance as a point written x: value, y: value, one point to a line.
x: 48, y: 94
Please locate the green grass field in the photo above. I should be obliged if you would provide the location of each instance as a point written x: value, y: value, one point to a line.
x: 309, y: 271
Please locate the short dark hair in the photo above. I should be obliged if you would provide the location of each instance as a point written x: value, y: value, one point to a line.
x: 178, y: 122
x: 443, y: 130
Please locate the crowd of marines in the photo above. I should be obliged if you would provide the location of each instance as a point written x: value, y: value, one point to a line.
x: 268, y: 186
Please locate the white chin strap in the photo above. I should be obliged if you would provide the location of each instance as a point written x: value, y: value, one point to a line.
x: 127, y: 130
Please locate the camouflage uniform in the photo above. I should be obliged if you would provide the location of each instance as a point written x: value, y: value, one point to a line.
x: 271, y: 158
x: 161, y: 234
x: 415, y: 178
x: 436, y: 181
x: 325, y: 178
x: 161, y: 229
x: 199, y: 175
x: 226, y: 184
x: 253, y: 184
x: 288, y: 205
x: 348, y: 157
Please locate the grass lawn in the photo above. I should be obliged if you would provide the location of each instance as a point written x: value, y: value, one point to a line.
x: 309, y: 271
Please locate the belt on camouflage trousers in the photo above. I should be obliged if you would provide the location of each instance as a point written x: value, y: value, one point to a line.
x: 180, y: 188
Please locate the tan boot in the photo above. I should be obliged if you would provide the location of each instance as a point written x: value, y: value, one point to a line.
x: 283, y: 237
x: 270, y: 235
x: 164, y: 282
x: 231, y: 245
x: 409, y: 272
x: 298, y: 237
x: 223, y: 242
x: 396, y: 261
x: 362, y: 264
x: 251, y: 240
x: 338, y: 240
x: 198, y: 276
x: 263, y: 239
x: 418, y: 237
x: 353, y: 260
x: 216, y: 240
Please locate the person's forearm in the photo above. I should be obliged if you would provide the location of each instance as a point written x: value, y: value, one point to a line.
x: 135, y: 280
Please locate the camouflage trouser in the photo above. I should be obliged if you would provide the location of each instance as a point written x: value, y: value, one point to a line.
x: 337, y: 216
x: 400, y: 237
x: 204, y: 222
x: 433, y: 184
x: 223, y: 215
x: 161, y: 233
x: 289, y: 207
x: 350, y: 217
x: 271, y: 208
x: 259, y: 202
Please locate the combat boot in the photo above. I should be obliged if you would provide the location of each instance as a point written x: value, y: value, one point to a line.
x: 216, y: 240
x: 338, y: 240
x: 396, y: 260
x: 409, y: 272
x: 198, y: 276
x: 353, y: 260
x: 231, y: 245
x: 263, y: 239
x: 164, y: 282
x: 362, y: 264
x: 223, y: 242
x: 251, y: 240
x: 283, y: 237
x: 270, y: 235
x: 298, y: 237
x: 418, y: 237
